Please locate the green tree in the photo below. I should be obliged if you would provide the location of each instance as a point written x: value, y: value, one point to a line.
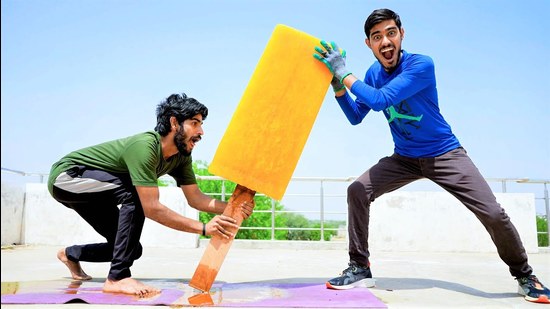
x: 542, y: 226
x: 262, y: 216
x: 293, y: 220
x: 257, y: 219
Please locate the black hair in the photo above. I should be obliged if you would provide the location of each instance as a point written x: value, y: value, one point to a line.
x: 378, y: 16
x: 179, y: 106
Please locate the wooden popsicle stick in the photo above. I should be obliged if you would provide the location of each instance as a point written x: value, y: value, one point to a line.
x: 217, y: 248
x: 201, y: 299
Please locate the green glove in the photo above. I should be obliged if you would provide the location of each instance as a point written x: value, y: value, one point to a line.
x: 336, y: 84
x: 333, y: 59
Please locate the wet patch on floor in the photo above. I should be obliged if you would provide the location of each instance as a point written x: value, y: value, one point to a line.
x: 178, y: 293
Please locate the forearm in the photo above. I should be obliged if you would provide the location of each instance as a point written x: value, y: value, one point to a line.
x: 215, y: 206
x: 202, y: 202
x: 354, y: 110
x: 208, y: 204
x: 372, y: 97
x: 169, y: 218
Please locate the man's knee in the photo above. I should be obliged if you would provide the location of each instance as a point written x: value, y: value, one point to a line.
x: 497, y: 216
x: 356, y: 189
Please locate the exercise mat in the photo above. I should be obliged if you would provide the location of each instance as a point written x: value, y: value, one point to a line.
x: 177, y: 293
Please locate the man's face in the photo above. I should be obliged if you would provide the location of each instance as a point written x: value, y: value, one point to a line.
x: 188, y: 134
x: 385, y: 42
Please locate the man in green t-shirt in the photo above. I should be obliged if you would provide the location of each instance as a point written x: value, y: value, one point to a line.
x: 94, y: 181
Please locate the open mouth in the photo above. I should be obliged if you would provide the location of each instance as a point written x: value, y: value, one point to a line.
x: 387, y: 52
x: 195, y: 140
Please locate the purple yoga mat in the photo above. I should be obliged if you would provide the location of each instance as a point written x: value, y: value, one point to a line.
x: 254, y: 294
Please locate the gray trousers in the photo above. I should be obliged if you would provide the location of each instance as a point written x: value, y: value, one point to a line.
x: 455, y: 172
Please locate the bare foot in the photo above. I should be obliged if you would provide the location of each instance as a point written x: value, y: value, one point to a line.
x: 129, y: 286
x: 74, y: 267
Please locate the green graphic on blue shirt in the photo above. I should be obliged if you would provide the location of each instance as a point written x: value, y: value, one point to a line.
x: 400, y: 115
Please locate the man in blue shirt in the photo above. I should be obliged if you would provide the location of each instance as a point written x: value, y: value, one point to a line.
x: 403, y: 86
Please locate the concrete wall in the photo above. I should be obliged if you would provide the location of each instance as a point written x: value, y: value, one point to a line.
x: 400, y: 221
x: 438, y: 222
x: 45, y: 221
x: 12, y: 213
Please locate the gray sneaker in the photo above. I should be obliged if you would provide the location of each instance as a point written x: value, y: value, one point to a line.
x: 533, y: 290
x: 353, y: 276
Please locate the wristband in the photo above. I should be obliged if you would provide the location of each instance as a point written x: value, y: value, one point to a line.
x: 203, y: 229
x: 345, y: 75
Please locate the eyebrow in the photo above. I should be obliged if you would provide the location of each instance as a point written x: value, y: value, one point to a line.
x: 385, y: 29
x: 196, y: 119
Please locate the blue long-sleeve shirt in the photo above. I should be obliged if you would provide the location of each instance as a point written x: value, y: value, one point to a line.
x: 408, y: 98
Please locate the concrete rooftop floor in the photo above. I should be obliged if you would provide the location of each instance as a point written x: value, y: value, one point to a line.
x: 404, y: 279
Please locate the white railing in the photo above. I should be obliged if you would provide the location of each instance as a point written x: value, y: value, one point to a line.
x: 542, y: 197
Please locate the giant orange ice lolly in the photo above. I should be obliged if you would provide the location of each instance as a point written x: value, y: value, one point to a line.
x: 267, y: 133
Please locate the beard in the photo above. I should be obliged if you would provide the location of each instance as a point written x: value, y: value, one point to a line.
x: 180, y: 139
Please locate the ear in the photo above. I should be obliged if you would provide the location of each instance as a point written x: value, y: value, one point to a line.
x: 173, y: 122
x: 402, y: 33
x: 367, y: 41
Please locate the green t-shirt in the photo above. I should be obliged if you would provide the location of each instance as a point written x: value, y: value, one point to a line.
x: 139, y: 155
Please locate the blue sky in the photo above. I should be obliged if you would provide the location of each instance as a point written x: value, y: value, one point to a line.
x: 77, y: 73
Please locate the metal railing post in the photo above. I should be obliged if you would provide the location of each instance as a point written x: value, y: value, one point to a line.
x: 322, y: 209
x: 547, y: 206
x: 272, y: 219
x: 223, y: 190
